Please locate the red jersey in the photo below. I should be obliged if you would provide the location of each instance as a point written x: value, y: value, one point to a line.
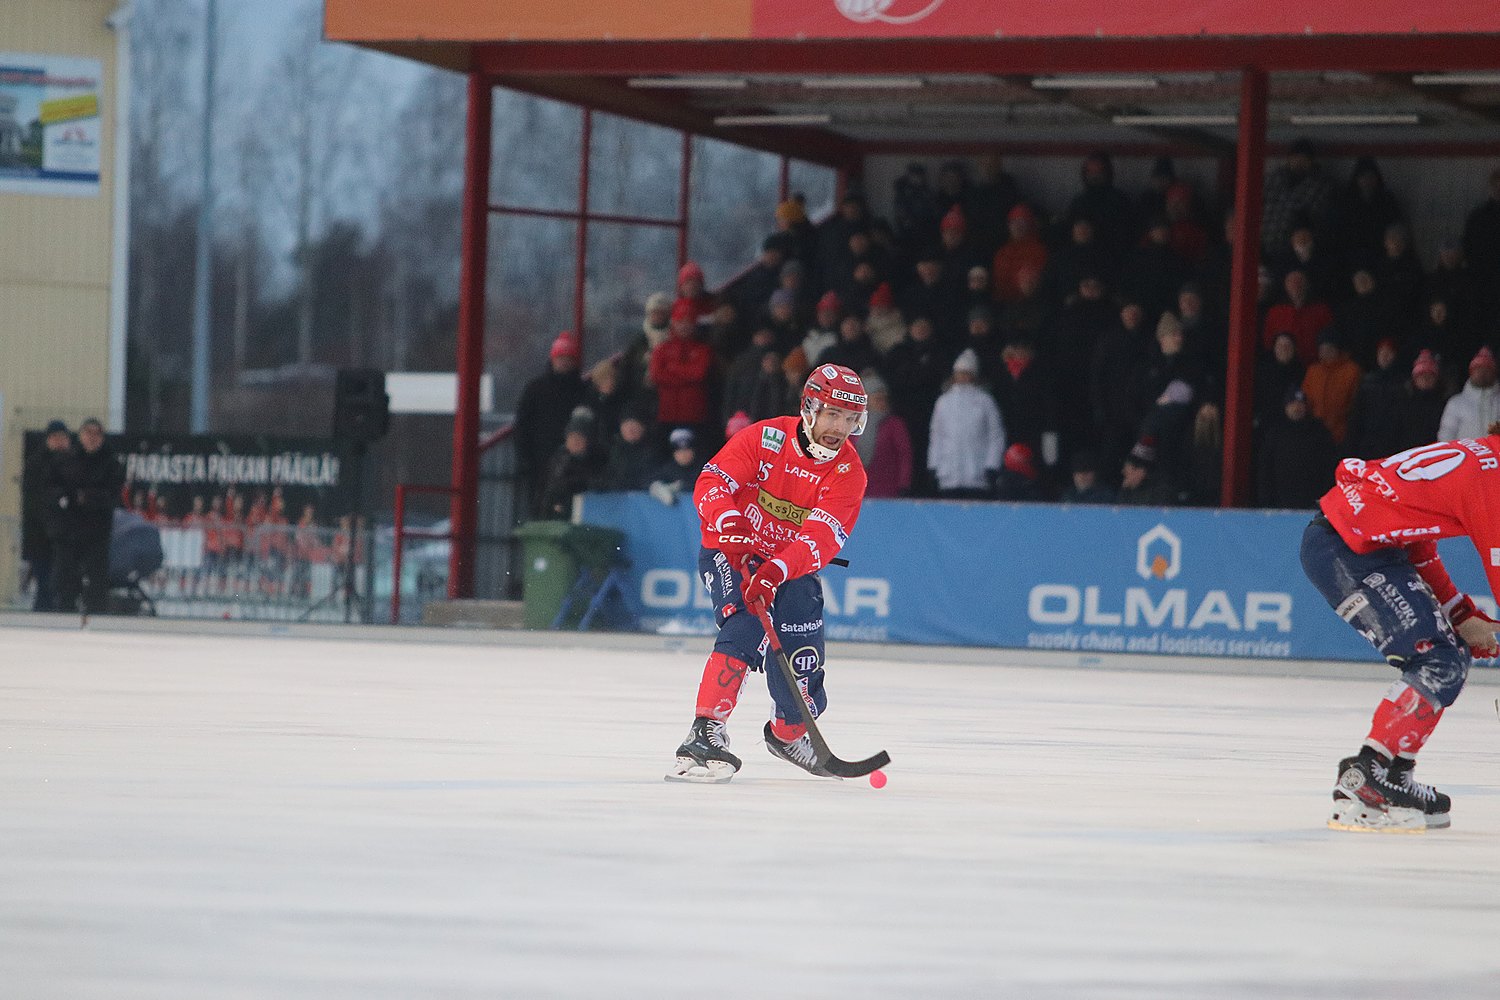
x: 801, y: 510
x: 1449, y: 489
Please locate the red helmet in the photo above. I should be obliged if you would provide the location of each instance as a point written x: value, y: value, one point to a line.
x: 837, y: 387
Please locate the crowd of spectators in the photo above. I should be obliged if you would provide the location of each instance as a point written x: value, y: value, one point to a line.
x: 1017, y: 353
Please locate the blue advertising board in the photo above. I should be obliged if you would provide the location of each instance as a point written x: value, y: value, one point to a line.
x: 1085, y: 579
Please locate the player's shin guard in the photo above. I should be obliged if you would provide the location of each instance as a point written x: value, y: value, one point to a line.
x: 1402, y: 723
x: 719, y: 690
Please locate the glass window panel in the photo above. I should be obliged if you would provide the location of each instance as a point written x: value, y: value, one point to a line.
x: 634, y: 168
x: 733, y: 206
x: 817, y: 184
x: 534, y: 152
x: 625, y: 264
x: 528, y: 297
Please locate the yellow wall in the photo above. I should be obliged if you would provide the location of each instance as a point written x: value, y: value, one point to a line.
x: 55, y: 258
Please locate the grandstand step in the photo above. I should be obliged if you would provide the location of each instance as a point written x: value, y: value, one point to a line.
x: 474, y: 614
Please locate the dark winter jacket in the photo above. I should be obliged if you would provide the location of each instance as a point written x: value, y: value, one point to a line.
x: 546, y: 403
x: 630, y: 466
x: 84, y: 488
x: 567, y: 475
x: 1296, y: 464
x: 1375, y: 419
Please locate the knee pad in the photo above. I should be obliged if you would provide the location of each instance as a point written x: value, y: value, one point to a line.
x: 1438, y: 674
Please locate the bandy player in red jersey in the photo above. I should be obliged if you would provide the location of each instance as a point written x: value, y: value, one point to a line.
x: 775, y: 505
x: 1372, y: 552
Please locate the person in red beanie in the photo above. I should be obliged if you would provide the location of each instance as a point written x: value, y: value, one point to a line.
x: 1023, y: 250
x: 690, y: 289
x: 1019, y: 479
x: 679, y: 369
x: 958, y: 252
x: 885, y: 325
x: 546, y: 404
x: 1477, y: 405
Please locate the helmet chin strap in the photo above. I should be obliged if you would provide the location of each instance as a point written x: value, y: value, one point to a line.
x: 817, y: 451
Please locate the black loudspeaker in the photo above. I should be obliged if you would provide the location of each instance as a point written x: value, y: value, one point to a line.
x: 361, y: 408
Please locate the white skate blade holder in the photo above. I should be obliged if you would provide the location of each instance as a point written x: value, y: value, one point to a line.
x: 715, y: 772
x: 1355, y: 817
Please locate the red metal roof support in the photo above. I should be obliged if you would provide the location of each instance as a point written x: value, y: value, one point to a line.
x: 684, y: 196
x: 473, y: 266
x: 581, y: 245
x: 1250, y: 159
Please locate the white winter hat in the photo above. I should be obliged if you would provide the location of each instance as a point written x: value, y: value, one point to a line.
x: 968, y: 361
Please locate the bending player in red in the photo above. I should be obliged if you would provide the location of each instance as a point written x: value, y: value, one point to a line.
x: 775, y: 505
x: 1372, y: 552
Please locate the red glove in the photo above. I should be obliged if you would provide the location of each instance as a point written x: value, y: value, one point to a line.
x: 736, y: 537
x: 760, y: 592
x: 1475, y: 628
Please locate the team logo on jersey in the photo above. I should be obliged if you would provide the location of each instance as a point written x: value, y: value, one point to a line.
x: 804, y: 660
x: 781, y: 509
x: 1158, y: 554
x: 843, y: 467
x: 772, y: 438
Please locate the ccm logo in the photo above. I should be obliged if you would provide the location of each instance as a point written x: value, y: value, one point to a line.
x: 736, y: 540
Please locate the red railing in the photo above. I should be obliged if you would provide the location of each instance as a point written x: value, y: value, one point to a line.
x: 402, y: 533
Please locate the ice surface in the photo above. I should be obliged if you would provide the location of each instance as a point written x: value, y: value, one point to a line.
x: 224, y: 817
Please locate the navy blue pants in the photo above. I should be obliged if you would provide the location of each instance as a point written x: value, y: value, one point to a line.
x: 798, y: 617
x: 1383, y: 597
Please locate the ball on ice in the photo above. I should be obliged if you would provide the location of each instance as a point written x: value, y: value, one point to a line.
x: 877, y: 779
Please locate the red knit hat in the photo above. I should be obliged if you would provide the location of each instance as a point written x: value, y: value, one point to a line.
x: 830, y: 300
x: 955, y: 219
x: 689, y: 270
x: 1425, y: 363
x: 882, y: 297
x: 1020, y: 460
x: 1021, y: 210
x: 565, y: 346
x: 1484, y: 359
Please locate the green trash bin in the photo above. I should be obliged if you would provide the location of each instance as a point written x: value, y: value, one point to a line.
x: 556, y: 553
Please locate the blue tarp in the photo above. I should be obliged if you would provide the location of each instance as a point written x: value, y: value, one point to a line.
x: 1035, y: 576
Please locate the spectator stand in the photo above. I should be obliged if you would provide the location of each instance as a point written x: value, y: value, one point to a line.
x: 814, y: 82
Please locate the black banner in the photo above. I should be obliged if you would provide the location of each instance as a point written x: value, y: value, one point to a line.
x: 172, y: 478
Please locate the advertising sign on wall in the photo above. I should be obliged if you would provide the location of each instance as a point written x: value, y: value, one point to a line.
x: 1079, y: 579
x: 50, y: 132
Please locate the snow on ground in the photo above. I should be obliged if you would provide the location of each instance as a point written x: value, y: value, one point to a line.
x: 190, y: 816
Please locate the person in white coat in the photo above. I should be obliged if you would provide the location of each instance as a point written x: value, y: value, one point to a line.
x: 968, y: 437
x: 1477, y: 405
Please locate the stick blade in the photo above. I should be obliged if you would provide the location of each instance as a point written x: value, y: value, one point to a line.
x: 856, y: 768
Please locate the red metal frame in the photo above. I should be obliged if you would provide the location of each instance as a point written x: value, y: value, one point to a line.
x: 474, y: 262
x: 581, y: 245
x: 684, y: 200
x: 1250, y: 159
x: 592, y: 76
x: 402, y: 534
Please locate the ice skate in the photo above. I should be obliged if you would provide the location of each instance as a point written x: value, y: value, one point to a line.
x: 704, y: 756
x: 1435, y: 804
x: 1370, y: 799
x: 799, y: 751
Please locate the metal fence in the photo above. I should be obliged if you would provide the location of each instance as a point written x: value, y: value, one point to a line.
x: 265, y: 573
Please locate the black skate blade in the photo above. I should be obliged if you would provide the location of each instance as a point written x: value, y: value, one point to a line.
x: 855, y: 768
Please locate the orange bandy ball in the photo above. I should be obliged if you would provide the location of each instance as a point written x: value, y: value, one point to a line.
x: 877, y: 779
